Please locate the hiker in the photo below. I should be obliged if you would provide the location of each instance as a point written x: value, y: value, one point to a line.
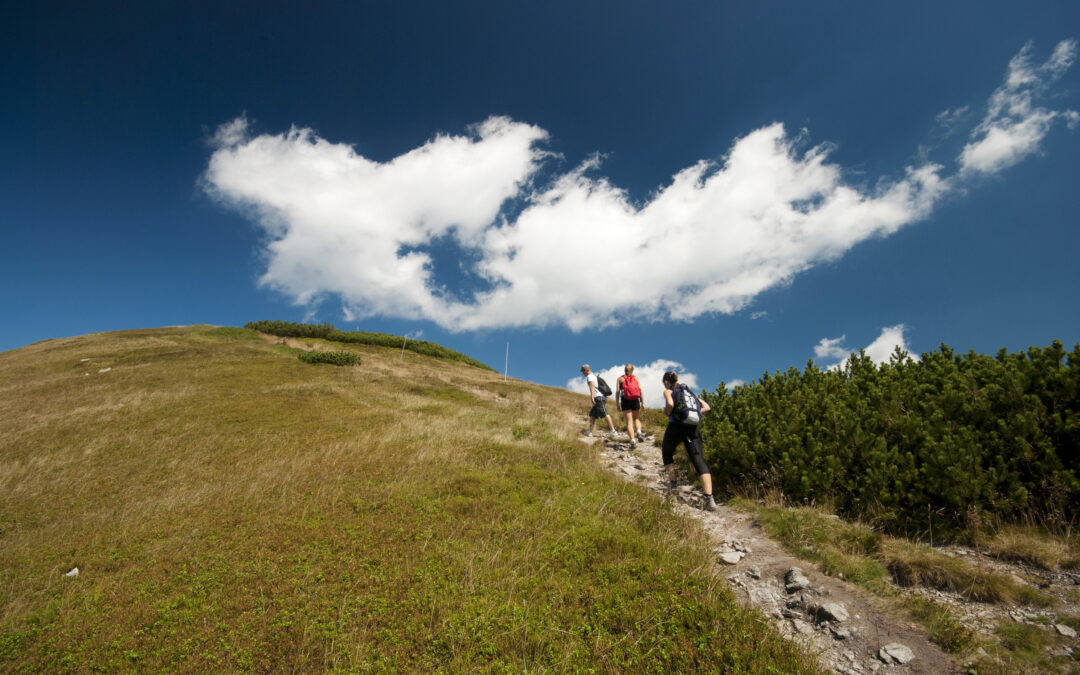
x: 630, y: 401
x: 688, y: 434
x: 599, y: 401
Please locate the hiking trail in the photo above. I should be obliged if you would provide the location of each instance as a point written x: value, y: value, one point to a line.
x: 851, y: 631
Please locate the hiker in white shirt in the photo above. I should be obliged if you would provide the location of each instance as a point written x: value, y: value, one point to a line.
x: 599, y: 402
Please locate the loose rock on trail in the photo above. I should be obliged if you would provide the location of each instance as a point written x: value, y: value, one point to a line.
x: 850, y: 631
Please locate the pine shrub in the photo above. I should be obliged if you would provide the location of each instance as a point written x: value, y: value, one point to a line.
x: 333, y: 358
x: 930, y: 447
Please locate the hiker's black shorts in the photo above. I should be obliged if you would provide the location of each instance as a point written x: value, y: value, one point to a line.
x: 599, y: 408
x: 690, y: 436
x: 632, y: 404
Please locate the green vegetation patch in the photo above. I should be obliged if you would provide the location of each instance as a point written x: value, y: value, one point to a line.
x: 945, y: 630
x: 949, y: 445
x: 333, y: 358
x: 234, y: 333
x: 327, y: 331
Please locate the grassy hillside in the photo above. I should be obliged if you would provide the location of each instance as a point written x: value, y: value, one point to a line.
x: 230, y: 507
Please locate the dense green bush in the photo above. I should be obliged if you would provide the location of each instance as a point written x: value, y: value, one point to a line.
x: 334, y: 358
x: 946, y: 442
x: 328, y: 332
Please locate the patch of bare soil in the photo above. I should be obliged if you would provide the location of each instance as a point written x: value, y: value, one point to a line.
x: 851, y: 631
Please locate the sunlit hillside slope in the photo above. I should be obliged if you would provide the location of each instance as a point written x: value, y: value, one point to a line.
x: 231, y: 508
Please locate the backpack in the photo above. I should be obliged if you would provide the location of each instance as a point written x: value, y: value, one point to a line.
x: 631, y: 388
x: 602, y: 386
x: 687, y: 407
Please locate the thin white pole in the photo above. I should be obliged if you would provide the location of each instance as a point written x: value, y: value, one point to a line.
x: 506, y: 368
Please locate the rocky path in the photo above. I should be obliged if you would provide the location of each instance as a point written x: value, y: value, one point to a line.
x: 850, y: 631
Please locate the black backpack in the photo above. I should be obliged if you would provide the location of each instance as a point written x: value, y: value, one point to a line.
x: 687, y: 407
x: 602, y: 386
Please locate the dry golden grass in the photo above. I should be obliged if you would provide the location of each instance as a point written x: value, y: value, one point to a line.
x: 1030, y: 544
x: 231, y: 508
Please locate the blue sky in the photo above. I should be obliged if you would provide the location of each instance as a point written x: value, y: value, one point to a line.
x: 733, y: 187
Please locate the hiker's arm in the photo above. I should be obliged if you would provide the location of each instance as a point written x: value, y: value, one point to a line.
x: 669, y: 404
x: 592, y: 391
x: 704, y: 406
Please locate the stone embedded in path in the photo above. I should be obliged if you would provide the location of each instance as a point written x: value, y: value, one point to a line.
x: 801, y: 627
x: 841, y: 633
x: 795, y: 580
x: 830, y: 611
x: 762, y: 596
x: 754, y: 572
x: 1064, y: 629
x: 731, y: 557
x: 894, y: 652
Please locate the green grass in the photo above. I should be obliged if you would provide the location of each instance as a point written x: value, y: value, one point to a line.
x: 231, y: 508
x: 944, y: 629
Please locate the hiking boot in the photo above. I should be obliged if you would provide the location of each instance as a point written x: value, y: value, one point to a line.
x: 708, y: 503
x: 612, y: 434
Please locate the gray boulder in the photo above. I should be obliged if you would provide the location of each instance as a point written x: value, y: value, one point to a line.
x: 795, y: 580
x: 894, y: 652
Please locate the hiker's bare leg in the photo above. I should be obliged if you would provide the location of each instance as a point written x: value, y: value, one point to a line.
x: 611, y: 424
x: 706, y: 483
x: 630, y: 414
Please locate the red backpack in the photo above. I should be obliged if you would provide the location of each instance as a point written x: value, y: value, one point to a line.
x: 631, y: 390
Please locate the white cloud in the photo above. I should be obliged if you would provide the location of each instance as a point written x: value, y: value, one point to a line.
x: 339, y: 224
x: 337, y: 221
x: 735, y: 383
x: 831, y: 348
x: 879, y: 351
x: 649, y: 375
x: 1014, y: 126
x: 708, y: 242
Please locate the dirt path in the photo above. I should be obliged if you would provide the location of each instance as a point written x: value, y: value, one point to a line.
x: 847, y: 628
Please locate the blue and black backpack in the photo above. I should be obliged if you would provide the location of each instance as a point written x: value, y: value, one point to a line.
x: 687, y: 407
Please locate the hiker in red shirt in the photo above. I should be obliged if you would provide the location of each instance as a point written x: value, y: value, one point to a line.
x: 630, y: 402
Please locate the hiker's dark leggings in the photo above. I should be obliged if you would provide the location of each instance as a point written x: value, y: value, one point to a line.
x: 690, y: 436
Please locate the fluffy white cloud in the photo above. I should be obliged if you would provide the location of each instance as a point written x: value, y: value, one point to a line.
x: 650, y: 376
x: 831, y: 348
x: 1014, y: 126
x: 339, y: 224
x: 879, y: 351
